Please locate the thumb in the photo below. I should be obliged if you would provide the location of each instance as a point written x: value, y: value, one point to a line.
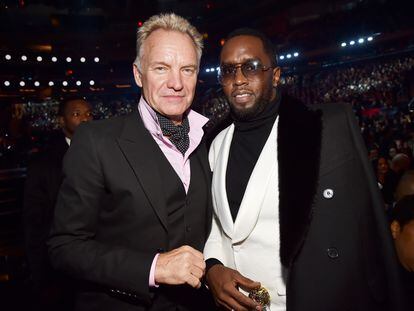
x: 246, y: 283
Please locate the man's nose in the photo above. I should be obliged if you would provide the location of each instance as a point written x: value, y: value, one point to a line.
x: 175, y: 80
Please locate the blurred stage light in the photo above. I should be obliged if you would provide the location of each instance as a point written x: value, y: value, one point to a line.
x: 78, y: 83
x: 96, y: 59
x: 282, y: 57
x: 218, y: 68
x: 352, y: 42
x: 91, y: 82
x: 212, y: 69
x: 7, y: 57
x: 39, y: 58
x: 24, y: 58
x: 296, y: 54
x: 37, y: 83
x: 68, y: 59
x: 51, y: 83
x: 22, y: 83
x: 54, y: 59
x: 361, y: 40
x: 343, y: 44
x: 65, y: 83
x: 6, y: 83
x: 83, y: 59
x: 288, y: 56
x: 370, y: 38
x: 208, y: 70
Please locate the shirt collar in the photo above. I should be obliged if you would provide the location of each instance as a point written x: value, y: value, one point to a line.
x: 149, y: 117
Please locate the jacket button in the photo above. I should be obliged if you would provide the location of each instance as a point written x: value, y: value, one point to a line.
x: 188, y: 228
x: 328, y: 193
x: 332, y: 253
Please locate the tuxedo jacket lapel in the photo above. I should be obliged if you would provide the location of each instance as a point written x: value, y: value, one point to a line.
x: 299, y: 147
x: 139, y: 149
x: 256, y: 189
x: 221, y: 203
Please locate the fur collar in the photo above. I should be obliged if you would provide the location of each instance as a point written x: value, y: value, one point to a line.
x: 299, y: 144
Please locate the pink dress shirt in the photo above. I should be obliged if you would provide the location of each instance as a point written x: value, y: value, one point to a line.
x: 180, y: 163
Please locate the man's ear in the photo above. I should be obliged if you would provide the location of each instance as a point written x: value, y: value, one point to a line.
x: 276, y: 76
x: 137, y: 75
x: 395, y: 229
x: 61, y: 121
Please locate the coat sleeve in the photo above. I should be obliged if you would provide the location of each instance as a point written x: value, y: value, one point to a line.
x: 36, y: 205
x: 73, y: 247
x: 389, y: 257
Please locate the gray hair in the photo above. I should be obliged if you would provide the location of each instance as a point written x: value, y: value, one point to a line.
x: 172, y: 22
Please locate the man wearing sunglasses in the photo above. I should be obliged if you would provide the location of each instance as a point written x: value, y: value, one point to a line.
x: 297, y: 210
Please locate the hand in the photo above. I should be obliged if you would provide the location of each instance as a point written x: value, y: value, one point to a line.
x: 224, y: 283
x: 183, y: 265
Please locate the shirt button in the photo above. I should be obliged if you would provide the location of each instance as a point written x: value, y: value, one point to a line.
x: 332, y: 253
x: 328, y: 193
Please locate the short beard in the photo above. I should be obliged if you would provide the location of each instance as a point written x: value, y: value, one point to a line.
x: 249, y: 113
x: 255, y: 110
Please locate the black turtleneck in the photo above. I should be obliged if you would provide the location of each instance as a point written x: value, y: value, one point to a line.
x: 248, y: 141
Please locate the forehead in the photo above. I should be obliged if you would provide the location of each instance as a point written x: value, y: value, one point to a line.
x: 166, y: 46
x: 241, y: 48
x: 77, y: 104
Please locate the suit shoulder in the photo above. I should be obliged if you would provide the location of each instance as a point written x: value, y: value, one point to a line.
x: 332, y: 108
x: 220, y: 136
x: 103, y: 129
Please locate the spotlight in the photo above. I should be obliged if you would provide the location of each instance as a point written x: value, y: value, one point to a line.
x: 361, y: 40
x: 54, y: 59
x: 96, y: 59
x: 296, y: 54
x: 7, y: 57
x: 24, y: 58
x: 217, y: 68
x: 68, y: 59
x: 282, y: 57
x: 91, y: 82
x: 212, y: 69
x: 37, y: 83
x: 22, y: 83
x: 51, y: 83
x: 343, y: 44
x: 78, y: 83
x: 6, y: 83
x: 352, y: 42
x: 83, y: 59
x: 289, y: 56
x: 370, y: 38
x: 208, y: 70
x: 65, y: 83
x: 39, y: 58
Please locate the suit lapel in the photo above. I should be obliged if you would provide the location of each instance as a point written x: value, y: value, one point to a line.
x: 256, y: 189
x: 299, y: 146
x: 140, y: 150
x: 221, y: 205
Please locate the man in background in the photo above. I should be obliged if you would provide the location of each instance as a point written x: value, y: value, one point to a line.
x: 44, y: 178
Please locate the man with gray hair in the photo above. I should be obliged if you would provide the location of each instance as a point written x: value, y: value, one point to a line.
x: 134, y: 210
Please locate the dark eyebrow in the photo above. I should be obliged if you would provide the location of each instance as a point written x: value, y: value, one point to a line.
x: 244, y: 61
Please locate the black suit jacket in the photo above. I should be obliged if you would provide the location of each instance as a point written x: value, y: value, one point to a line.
x: 41, y: 188
x: 111, y: 218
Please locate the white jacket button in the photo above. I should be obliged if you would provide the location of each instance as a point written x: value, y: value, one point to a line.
x: 328, y: 193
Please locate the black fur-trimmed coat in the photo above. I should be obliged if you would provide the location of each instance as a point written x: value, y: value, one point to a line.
x: 334, y: 238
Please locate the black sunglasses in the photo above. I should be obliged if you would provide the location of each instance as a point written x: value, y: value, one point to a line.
x: 250, y: 69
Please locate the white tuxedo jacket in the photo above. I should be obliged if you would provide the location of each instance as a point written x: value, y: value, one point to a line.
x: 250, y: 245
